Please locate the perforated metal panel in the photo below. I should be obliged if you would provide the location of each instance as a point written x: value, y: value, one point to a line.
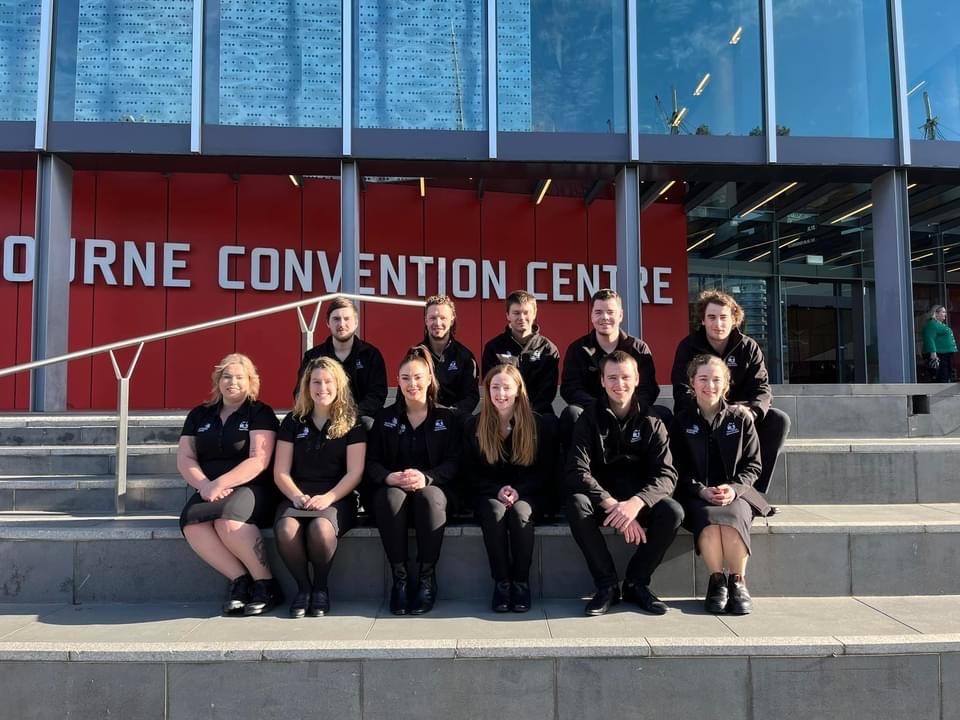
x: 123, y: 61
x: 421, y: 64
x: 514, y: 86
x: 280, y: 63
x: 19, y: 44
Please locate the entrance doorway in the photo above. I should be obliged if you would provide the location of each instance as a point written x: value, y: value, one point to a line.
x: 819, y: 342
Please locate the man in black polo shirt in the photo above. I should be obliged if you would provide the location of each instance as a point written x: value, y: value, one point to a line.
x: 580, y: 385
x: 719, y: 334
x: 454, y: 365
x: 621, y: 475
x: 361, y: 360
x: 522, y: 345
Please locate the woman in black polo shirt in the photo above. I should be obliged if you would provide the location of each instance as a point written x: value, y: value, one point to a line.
x: 224, y: 453
x: 411, y: 463
x: 319, y: 463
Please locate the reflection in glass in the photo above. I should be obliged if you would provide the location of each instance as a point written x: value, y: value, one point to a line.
x: 421, y: 64
x: 276, y: 64
x: 561, y: 66
x: 933, y: 68
x: 123, y: 62
x: 19, y: 47
x: 699, y: 68
x: 833, y: 76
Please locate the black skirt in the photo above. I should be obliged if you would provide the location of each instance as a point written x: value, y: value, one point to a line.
x: 253, y: 504
x: 699, y: 514
x: 342, y: 514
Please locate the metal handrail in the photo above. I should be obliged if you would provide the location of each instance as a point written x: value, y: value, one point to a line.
x: 307, y: 330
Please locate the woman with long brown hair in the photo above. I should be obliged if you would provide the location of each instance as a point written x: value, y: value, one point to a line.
x: 411, y: 465
x: 318, y: 466
x: 506, y: 453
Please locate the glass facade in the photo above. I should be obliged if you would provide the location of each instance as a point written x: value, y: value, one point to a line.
x: 420, y: 65
x: 699, y: 68
x: 123, y: 62
x: 561, y: 66
x: 19, y: 45
x: 270, y: 64
x: 932, y: 48
x: 833, y: 68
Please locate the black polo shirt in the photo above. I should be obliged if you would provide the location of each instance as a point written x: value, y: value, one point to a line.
x: 319, y: 461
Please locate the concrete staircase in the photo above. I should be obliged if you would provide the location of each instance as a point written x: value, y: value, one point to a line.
x: 856, y: 580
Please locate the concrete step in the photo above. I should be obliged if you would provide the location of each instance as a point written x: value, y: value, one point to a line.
x: 88, y: 429
x: 92, y: 493
x: 870, y: 658
x: 808, y: 550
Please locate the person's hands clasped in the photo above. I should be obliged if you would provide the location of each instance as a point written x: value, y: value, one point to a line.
x: 719, y: 495
x: 508, y: 496
x: 621, y: 514
x: 633, y: 534
x: 408, y: 480
x: 318, y: 502
x: 214, y: 490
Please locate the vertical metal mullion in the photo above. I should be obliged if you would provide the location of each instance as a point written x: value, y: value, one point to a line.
x: 44, y: 70
x: 492, y: 100
x: 196, y: 88
x: 900, y: 80
x: 769, y: 80
x: 627, y: 209
x: 633, y: 73
x: 346, y: 77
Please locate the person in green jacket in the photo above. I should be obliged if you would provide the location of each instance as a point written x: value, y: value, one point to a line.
x: 939, y: 344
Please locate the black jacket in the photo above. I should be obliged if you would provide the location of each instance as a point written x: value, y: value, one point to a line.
x: 736, y: 436
x: 456, y: 370
x: 620, y: 459
x: 537, y: 359
x: 365, y: 368
x: 749, y: 383
x: 443, y: 445
x: 483, y: 480
x: 581, y: 370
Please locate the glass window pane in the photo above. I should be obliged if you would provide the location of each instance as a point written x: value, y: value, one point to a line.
x: 699, y: 68
x: 19, y: 46
x: 833, y: 73
x: 274, y: 64
x: 561, y: 66
x: 933, y: 68
x: 421, y: 65
x: 123, y: 62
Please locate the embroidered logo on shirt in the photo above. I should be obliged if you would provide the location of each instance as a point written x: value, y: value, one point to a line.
x: 359, y: 365
x: 535, y: 355
x: 731, y: 361
x: 439, y: 425
x: 504, y: 357
x: 203, y: 428
x: 732, y: 428
x: 453, y: 366
x: 693, y: 430
x: 244, y: 425
x: 403, y: 428
x: 636, y: 435
x: 303, y: 433
x: 391, y: 423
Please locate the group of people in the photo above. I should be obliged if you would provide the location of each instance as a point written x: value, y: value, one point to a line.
x: 612, y: 458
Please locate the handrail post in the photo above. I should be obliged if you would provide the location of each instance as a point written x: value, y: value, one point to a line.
x: 307, y: 329
x: 123, y: 426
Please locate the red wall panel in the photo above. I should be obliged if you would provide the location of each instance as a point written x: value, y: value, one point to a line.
x: 11, y: 197
x: 79, y: 372
x: 25, y: 292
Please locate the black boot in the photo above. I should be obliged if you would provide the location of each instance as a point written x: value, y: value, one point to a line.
x: 238, y: 595
x: 398, y: 593
x: 520, y: 596
x: 717, y: 594
x: 426, y: 590
x: 265, y: 596
x: 501, y: 597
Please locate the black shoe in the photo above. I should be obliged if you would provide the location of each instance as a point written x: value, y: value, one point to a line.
x: 717, y: 594
x: 641, y: 596
x: 501, y: 597
x: 238, y: 595
x: 266, y: 595
x: 298, y: 608
x: 426, y: 590
x: 603, y: 600
x: 740, y: 602
x: 398, y: 593
x: 520, y: 597
x: 319, y: 603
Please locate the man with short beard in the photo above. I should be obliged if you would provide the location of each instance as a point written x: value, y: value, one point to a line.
x: 454, y: 365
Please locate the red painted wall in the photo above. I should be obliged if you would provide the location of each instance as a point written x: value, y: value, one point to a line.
x: 210, y: 212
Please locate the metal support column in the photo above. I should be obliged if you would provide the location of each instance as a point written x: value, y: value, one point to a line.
x: 775, y: 357
x: 628, y: 248
x: 492, y: 100
x: 900, y: 81
x: 769, y: 80
x: 894, y: 291
x: 350, y: 227
x: 51, y: 286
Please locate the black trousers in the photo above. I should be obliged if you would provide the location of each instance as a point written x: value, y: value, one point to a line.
x: 660, y: 522
x: 395, y: 510
x: 772, y: 433
x: 508, y: 537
